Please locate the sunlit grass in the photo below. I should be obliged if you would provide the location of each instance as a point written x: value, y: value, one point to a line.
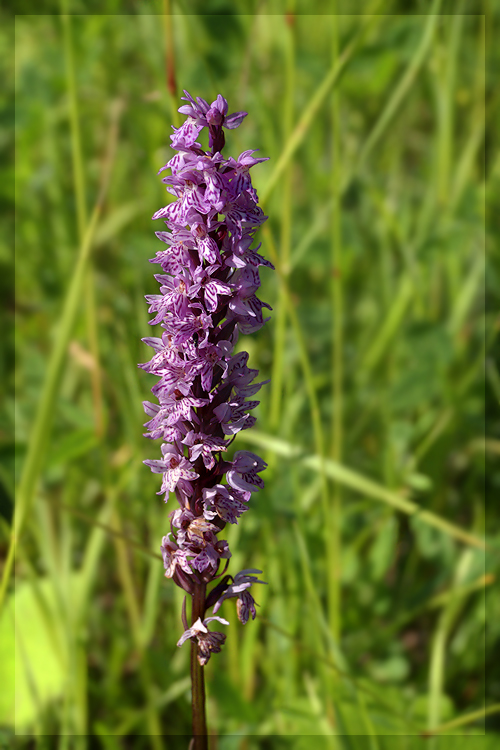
x: 371, y: 527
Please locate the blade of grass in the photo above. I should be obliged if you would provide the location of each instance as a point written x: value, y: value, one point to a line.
x: 366, y: 486
x: 387, y: 329
x: 336, y: 295
x: 356, y: 683
x: 108, y: 529
x: 136, y: 623
x: 317, y: 703
x: 116, y: 220
x: 317, y: 99
x: 248, y: 656
x: 170, y: 61
x: 75, y: 696
x: 380, y: 126
x: 316, y: 607
x: 462, y: 721
x: 468, y: 293
x: 151, y: 600
x: 93, y: 339
x: 81, y: 211
x: 438, y: 601
x: 91, y: 557
x: 437, y: 429
x: 493, y: 378
x: 75, y: 704
x: 438, y: 649
x: 359, y: 483
x: 317, y: 226
x: 477, y: 125
x: 40, y: 433
x: 445, y: 419
x: 76, y: 147
x: 313, y: 405
x: 446, y: 105
x: 404, y: 85
x: 126, y: 580
x: 178, y: 688
x: 286, y: 221
x: 46, y: 614
x: 73, y: 709
x: 46, y: 405
x: 371, y: 732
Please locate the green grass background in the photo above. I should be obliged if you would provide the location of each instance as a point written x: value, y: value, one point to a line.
x: 369, y: 531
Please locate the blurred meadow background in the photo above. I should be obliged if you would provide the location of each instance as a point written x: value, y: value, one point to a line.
x: 381, y: 353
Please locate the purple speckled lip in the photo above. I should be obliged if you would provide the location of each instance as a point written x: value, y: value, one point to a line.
x: 208, y: 285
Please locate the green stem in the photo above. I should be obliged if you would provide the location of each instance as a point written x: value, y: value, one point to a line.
x: 93, y: 340
x: 171, y: 80
x: 81, y: 212
x: 43, y: 419
x: 134, y: 613
x: 446, y: 105
x: 313, y: 400
x: 337, y: 363
x: 466, y: 161
x: 404, y: 85
x: 46, y: 406
x: 463, y: 720
x: 76, y: 148
x: 308, y: 374
x: 280, y: 335
x: 316, y: 101
x: 363, y: 485
x: 200, y: 737
x: 448, y: 616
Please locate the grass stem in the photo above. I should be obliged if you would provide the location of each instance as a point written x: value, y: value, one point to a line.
x: 171, y: 80
x: 404, y: 85
x: 336, y: 291
x: 135, y: 617
x: 286, y: 222
x: 317, y: 99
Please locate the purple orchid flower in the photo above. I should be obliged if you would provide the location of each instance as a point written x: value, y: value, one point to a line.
x: 245, y: 605
x: 209, y: 642
x: 208, y: 295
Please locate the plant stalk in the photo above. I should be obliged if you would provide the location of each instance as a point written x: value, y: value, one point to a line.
x: 200, y: 738
x: 334, y: 519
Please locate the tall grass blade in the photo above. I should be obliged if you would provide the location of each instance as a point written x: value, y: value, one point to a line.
x: 310, y: 110
x: 359, y: 483
x: 404, y: 84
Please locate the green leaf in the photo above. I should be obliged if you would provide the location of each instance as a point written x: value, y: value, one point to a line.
x: 394, y: 669
x: 72, y: 446
x: 7, y: 666
x: 420, y: 708
x: 32, y: 666
x: 383, y: 548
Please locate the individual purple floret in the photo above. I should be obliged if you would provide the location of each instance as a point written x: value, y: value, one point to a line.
x: 209, y: 642
x: 208, y: 295
x: 245, y: 604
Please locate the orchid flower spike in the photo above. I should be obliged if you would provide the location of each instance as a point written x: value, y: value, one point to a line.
x: 204, y: 392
